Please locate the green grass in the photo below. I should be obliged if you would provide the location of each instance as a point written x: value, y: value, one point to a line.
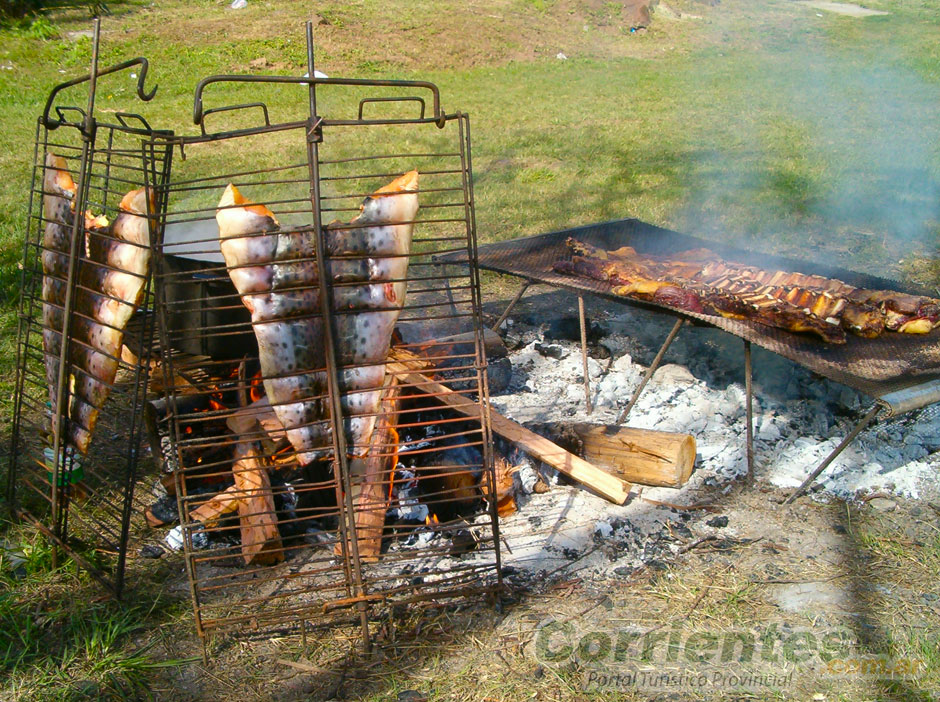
x: 760, y: 123
x: 60, y: 639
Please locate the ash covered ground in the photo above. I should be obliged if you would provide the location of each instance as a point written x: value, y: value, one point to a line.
x: 799, y: 417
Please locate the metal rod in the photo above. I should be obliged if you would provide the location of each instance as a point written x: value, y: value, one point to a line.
x: 88, y: 136
x: 312, y: 86
x: 652, y: 369
x: 448, y: 290
x: 489, y: 473
x: 584, y: 355
x: 349, y: 536
x: 142, y: 366
x: 748, y: 411
x: 863, y: 422
x: 515, y: 301
x: 23, y: 330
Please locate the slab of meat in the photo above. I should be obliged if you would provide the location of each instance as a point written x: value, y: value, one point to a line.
x: 111, y: 274
x: 58, y: 192
x: 699, y: 281
x: 111, y: 284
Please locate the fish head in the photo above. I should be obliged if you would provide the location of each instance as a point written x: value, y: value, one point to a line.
x: 238, y: 216
x: 57, y: 179
x: 139, y: 202
x: 396, y: 202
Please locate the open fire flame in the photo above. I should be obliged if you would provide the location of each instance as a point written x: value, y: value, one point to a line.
x: 256, y: 388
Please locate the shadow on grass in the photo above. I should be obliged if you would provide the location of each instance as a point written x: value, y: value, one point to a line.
x: 874, y: 638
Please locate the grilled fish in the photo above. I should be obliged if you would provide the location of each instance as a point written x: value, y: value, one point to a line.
x: 111, y: 274
x: 275, y: 273
x: 58, y: 192
x: 111, y: 284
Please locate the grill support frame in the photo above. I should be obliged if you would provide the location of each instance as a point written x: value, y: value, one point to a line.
x: 105, y: 157
x: 504, y: 258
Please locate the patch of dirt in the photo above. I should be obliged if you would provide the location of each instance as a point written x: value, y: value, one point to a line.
x: 848, y: 9
x: 422, y: 36
x: 804, y: 570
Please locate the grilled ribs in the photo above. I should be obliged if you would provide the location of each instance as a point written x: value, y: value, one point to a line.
x: 699, y: 281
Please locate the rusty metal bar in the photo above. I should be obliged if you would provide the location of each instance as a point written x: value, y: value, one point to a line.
x: 652, y: 368
x: 856, y: 430
x: 584, y: 355
x: 512, y: 304
x: 334, y: 382
x: 748, y: 411
x: 61, y: 460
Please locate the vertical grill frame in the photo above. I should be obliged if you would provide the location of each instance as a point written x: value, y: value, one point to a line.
x: 357, y: 587
x: 89, y: 516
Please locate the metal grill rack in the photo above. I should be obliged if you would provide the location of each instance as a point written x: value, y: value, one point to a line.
x: 403, y: 511
x: 89, y: 513
x: 272, y: 537
x: 901, y: 372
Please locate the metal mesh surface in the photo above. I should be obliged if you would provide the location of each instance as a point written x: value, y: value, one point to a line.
x: 90, y: 514
x: 420, y: 534
x: 873, y: 366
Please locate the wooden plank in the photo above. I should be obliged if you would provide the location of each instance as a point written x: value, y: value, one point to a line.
x: 261, y: 540
x: 372, y: 473
x: 243, y: 420
x: 209, y: 511
x: 609, y: 486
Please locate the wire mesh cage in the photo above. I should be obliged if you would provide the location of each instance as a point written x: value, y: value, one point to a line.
x: 330, y: 442
x: 271, y: 315
x: 86, y: 325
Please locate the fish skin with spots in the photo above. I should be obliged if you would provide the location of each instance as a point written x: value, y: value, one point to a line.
x: 112, y: 274
x: 275, y: 273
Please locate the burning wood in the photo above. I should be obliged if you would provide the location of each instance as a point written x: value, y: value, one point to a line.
x: 614, y: 456
x: 605, y: 484
x: 505, y: 487
x: 261, y: 541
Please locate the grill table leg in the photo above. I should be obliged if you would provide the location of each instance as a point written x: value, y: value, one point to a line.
x: 749, y: 411
x: 584, y: 355
x: 442, y: 273
x: 652, y: 369
x: 515, y: 301
x: 863, y: 422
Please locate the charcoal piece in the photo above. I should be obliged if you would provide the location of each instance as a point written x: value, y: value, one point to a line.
x: 317, y: 537
x: 718, y: 522
x: 551, y: 350
x: 569, y: 329
x: 166, y: 509
x: 462, y: 542
x: 151, y: 551
x: 412, y: 696
x: 600, y: 352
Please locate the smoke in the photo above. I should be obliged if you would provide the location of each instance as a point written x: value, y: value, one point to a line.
x: 833, y: 145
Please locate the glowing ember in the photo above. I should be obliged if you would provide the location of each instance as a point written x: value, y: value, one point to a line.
x: 256, y: 391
